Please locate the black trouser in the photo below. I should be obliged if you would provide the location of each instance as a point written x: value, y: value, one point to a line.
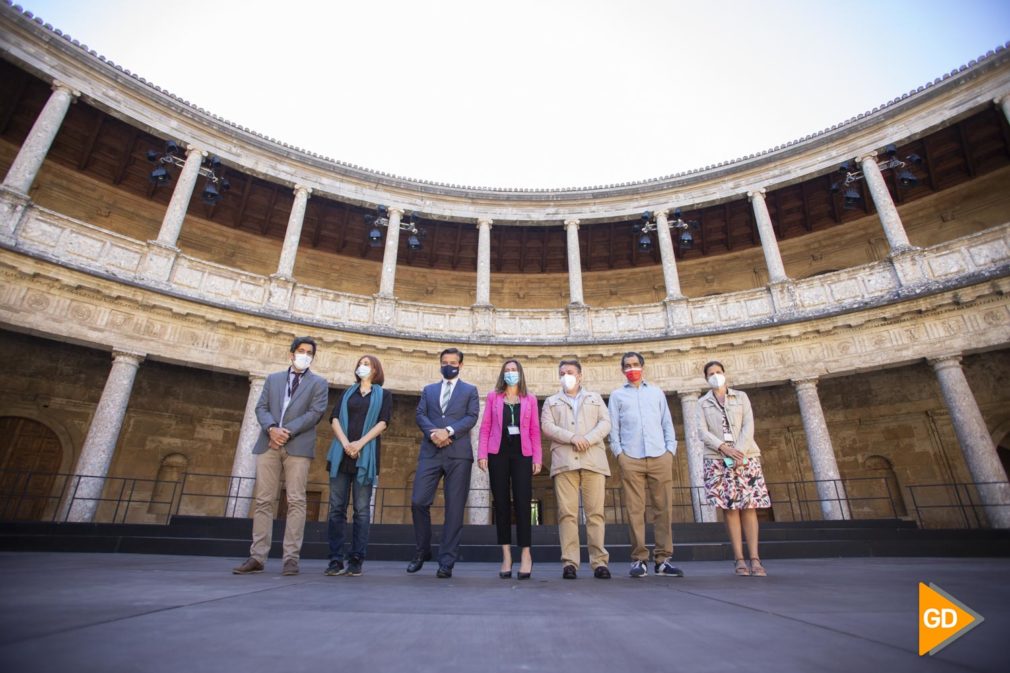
x: 504, y: 467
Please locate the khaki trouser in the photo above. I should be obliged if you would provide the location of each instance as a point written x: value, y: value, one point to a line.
x: 656, y: 474
x: 567, y: 486
x: 268, y: 477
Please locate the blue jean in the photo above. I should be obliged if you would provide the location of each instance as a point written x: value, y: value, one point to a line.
x: 341, y: 487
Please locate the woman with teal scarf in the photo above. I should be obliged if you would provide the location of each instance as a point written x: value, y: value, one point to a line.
x: 360, y: 415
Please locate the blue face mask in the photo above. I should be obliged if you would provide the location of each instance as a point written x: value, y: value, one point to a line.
x: 511, y: 378
x: 449, y: 372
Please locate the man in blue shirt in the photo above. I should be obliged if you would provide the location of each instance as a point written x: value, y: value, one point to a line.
x: 642, y: 438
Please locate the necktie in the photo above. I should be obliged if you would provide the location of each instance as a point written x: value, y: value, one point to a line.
x: 446, y: 394
x: 294, y: 384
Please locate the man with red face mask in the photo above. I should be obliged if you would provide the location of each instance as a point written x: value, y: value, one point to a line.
x: 642, y: 438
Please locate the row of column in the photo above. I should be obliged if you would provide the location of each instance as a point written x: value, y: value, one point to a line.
x: 33, y: 151
x: 92, y: 468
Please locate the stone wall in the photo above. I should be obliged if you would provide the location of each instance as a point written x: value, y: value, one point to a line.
x: 896, y: 414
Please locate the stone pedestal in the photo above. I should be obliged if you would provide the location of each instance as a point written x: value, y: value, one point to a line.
x: 784, y: 298
x: 703, y: 512
x: 384, y: 312
x: 976, y: 444
x: 243, y: 468
x: 830, y: 489
x: 279, y: 293
x: 13, y: 206
x: 678, y: 315
x: 158, y: 262
x: 578, y: 320
x: 103, y: 434
x: 910, y: 268
x: 483, y: 319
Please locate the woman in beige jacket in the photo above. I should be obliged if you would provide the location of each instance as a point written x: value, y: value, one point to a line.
x: 734, y: 481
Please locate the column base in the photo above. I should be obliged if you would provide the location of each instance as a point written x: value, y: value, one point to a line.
x: 578, y: 321
x: 159, y: 261
x: 482, y: 319
x: 783, y: 297
x: 910, y: 268
x: 384, y: 312
x: 13, y: 206
x: 678, y: 314
x: 280, y: 291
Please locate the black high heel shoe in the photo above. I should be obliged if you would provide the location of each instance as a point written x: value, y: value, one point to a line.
x: 506, y: 575
x: 525, y: 576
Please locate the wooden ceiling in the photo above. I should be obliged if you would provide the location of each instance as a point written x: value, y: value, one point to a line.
x: 114, y: 152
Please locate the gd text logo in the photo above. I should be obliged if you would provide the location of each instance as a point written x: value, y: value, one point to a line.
x: 942, y: 619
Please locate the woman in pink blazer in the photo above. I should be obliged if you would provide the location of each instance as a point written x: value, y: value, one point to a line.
x: 509, y: 448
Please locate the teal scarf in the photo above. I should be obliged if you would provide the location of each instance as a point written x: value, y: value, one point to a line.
x: 366, y: 459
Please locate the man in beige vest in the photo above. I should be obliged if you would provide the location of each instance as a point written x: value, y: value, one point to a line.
x: 576, y: 422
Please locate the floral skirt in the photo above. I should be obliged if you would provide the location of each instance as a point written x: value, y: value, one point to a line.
x: 737, y: 487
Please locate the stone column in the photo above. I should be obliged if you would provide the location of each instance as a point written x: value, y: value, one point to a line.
x: 976, y: 444
x: 670, y: 276
x: 389, y: 255
x: 478, y: 500
x: 100, y: 443
x: 1004, y: 103
x: 574, y: 263
x: 773, y: 258
x: 171, y: 225
x: 830, y: 489
x: 484, y: 261
x: 28, y: 161
x: 243, y: 467
x: 703, y: 512
x: 894, y: 230
x: 286, y: 266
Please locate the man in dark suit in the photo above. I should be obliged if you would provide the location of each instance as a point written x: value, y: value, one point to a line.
x: 445, y: 414
x: 288, y: 411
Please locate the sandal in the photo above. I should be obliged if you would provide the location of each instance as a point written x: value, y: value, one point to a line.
x: 756, y: 569
x: 741, y: 568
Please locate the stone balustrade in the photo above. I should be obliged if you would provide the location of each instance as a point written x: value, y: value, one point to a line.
x: 52, y: 236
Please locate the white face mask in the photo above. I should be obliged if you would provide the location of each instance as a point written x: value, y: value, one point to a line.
x: 568, y: 382
x: 717, y: 380
x: 302, y: 361
x: 363, y: 371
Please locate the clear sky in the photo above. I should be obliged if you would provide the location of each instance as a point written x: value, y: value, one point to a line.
x: 535, y: 93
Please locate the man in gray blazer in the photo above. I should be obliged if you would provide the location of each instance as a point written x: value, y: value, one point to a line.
x: 288, y: 411
x: 445, y: 414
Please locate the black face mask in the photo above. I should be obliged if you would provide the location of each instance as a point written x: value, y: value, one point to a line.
x: 449, y: 372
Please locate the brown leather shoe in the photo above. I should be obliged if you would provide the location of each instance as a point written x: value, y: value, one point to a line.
x: 250, y: 566
x: 290, y: 567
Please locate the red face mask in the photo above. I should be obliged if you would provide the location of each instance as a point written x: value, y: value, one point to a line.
x: 633, y: 375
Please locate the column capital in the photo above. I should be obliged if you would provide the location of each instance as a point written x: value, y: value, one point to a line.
x: 302, y: 188
x: 63, y: 86
x: 395, y: 210
x: 482, y: 221
x: 661, y: 213
x: 689, y: 395
x: 863, y: 157
x: 1002, y: 98
x: 257, y: 378
x: 572, y: 222
x: 193, y: 149
x: 758, y: 193
x: 945, y: 361
x: 129, y: 357
x: 805, y: 383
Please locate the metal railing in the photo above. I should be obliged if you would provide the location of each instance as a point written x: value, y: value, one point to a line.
x: 58, y: 497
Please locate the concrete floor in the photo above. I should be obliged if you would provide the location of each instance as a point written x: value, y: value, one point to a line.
x: 118, y: 612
